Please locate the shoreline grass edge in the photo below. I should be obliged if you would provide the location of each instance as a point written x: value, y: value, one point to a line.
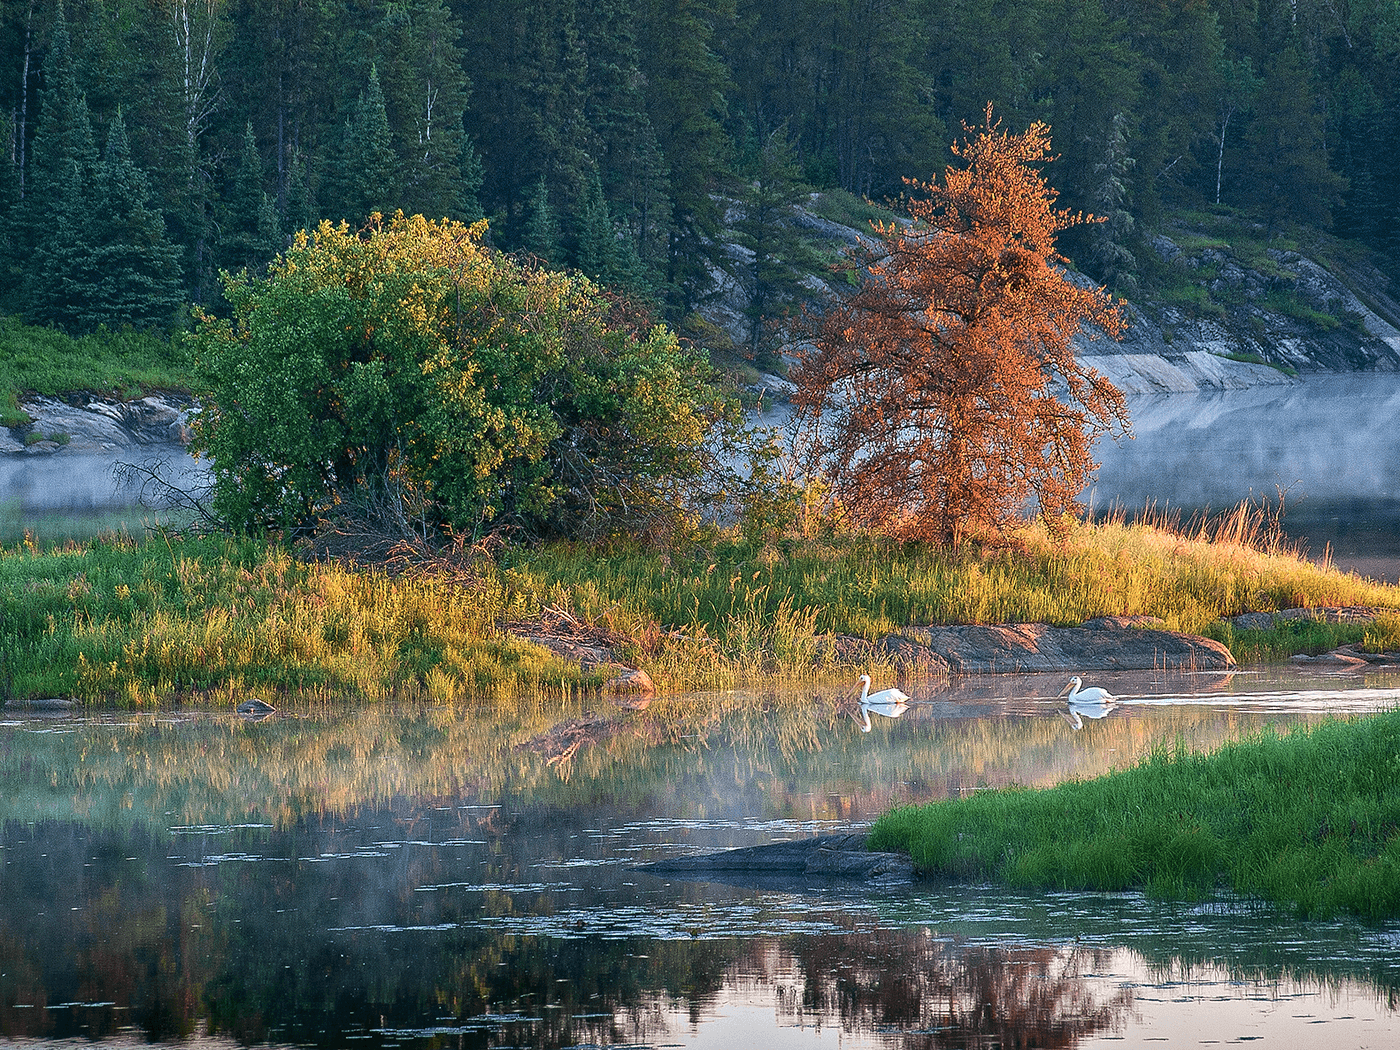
x: 1307, y: 820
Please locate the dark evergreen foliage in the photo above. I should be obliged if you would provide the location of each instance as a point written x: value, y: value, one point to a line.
x: 641, y: 119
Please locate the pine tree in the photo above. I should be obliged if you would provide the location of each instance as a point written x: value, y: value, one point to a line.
x: 595, y: 255
x: 472, y: 176
x: 423, y: 72
x: 629, y: 159
x: 298, y: 212
x: 688, y: 87
x: 55, y: 233
x: 10, y: 259
x: 944, y: 392
x: 780, y: 257
x: 136, y: 279
x: 541, y: 232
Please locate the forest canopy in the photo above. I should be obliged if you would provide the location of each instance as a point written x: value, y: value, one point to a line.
x: 169, y: 139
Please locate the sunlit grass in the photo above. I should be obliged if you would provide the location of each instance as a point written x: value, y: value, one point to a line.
x: 1310, y: 820
x: 724, y: 610
x: 116, y: 621
x: 113, y: 620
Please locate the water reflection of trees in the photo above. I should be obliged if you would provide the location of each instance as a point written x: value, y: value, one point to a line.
x: 940, y: 994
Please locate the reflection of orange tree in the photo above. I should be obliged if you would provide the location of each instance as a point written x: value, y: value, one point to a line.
x: 955, y: 995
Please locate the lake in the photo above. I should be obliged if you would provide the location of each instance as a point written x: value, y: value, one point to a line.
x: 1329, y: 444
x: 449, y: 876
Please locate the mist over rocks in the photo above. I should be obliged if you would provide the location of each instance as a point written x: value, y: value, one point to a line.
x: 86, y: 423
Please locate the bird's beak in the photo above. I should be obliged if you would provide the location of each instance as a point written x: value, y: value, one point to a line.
x: 1065, y: 690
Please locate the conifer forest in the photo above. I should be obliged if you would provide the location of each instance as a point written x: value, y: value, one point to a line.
x: 150, y: 144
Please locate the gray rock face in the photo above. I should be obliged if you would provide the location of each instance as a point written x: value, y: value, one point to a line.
x: 92, y: 424
x: 1250, y: 333
x: 1104, y: 644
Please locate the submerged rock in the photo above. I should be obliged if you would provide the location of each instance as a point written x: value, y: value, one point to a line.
x: 255, y: 708
x: 822, y: 856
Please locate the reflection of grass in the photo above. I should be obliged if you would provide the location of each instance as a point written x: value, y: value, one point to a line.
x: 1310, y: 820
x: 802, y: 757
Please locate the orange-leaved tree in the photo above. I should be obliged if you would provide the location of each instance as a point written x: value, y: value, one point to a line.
x: 942, y: 392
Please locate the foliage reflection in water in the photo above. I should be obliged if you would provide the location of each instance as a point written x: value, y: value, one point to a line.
x: 448, y: 877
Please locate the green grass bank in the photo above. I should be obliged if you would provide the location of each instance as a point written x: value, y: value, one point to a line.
x: 1309, y: 821
x: 173, y: 618
x: 46, y: 361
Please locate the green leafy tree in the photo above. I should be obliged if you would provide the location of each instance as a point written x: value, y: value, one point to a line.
x: 409, y: 373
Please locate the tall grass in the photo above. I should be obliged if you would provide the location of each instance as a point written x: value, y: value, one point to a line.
x: 1310, y: 820
x: 113, y: 620
x: 734, y: 601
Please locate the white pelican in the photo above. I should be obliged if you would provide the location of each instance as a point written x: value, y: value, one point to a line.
x: 1086, y: 696
x: 1086, y: 703
x: 890, y: 703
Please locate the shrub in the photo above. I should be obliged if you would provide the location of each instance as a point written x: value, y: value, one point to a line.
x: 408, y: 369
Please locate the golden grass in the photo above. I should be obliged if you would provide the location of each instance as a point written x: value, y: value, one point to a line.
x: 135, y: 624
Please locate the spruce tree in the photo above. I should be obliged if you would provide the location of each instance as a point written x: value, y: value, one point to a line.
x: 541, y: 233
x: 595, y: 254
x: 422, y: 70
x: 55, y: 232
x: 368, y: 179
x: 136, y: 278
x: 780, y: 257
x: 248, y: 224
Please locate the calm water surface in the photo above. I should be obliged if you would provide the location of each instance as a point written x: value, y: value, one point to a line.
x: 435, y: 877
x: 1330, y: 444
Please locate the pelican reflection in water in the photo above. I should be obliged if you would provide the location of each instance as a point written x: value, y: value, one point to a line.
x: 1085, y: 703
x: 888, y: 702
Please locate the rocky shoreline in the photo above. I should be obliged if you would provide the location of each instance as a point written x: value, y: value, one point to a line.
x: 82, y: 422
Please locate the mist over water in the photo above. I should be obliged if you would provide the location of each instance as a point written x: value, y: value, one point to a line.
x: 1329, y: 444
x: 424, y: 877
x: 79, y: 493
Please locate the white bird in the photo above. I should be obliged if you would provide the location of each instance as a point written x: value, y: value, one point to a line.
x: 890, y: 703
x: 884, y: 696
x: 1086, y: 696
x: 1086, y: 703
